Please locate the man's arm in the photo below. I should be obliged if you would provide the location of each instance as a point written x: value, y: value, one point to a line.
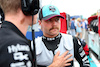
x: 79, y: 53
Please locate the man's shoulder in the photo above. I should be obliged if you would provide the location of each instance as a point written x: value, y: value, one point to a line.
x: 66, y: 35
x: 38, y: 39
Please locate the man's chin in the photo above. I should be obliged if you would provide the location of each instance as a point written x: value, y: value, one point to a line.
x: 54, y: 33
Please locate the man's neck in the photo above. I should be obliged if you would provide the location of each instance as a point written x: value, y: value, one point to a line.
x: 50, y: 36
x: 18, y: 21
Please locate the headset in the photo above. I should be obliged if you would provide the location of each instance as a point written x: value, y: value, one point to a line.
x: 30, y: 7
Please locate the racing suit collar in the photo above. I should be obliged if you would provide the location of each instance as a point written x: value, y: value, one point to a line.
x: 7, y: 24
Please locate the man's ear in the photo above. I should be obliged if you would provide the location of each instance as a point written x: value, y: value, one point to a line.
x: 39, y: 22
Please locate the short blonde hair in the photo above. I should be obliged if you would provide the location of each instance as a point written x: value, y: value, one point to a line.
x: 78, y: 19
x: 10, y: 5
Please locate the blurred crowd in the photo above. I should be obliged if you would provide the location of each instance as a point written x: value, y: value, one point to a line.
x: 78, y: 27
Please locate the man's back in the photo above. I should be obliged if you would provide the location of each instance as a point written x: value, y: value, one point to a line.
x: 72, y: 24
x: 14, y: 48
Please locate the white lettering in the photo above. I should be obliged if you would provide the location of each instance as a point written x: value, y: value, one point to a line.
x: 18, y: 47
x: 14, y: 48
x: 29, y: 64
x: 9, y: 49
x: 19, y: 64
x: 82, y: 53
x: 20, y: 56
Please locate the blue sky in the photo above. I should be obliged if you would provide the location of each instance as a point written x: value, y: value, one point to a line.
x: 75, y: 7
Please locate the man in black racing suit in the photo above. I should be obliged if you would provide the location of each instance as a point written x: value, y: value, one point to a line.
x: 14, y: 47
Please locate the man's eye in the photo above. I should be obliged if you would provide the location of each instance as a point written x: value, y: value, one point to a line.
x: 57, y: 19
x: 49, y: 20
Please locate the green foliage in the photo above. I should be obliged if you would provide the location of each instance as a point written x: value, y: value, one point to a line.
x: 94, y: 14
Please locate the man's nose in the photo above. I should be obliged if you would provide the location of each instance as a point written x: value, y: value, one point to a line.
x: 54, y: 23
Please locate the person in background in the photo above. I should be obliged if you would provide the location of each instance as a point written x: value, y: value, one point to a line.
x: 53, y: 43
x: 72, y: 27
x: 78, y: 28
x: 84, y: 27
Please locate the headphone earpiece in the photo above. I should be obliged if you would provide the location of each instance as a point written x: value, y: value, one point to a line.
x: 30, y: 7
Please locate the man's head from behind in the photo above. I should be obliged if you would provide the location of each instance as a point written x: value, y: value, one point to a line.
x: 73, y: 18
x: 20, y: 9
x: 49, y: 19
x: 10, y: 5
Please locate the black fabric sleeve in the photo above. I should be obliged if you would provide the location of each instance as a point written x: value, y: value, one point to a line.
x: 79, y: 53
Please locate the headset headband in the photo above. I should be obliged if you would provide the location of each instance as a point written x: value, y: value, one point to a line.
x: 30, y: 7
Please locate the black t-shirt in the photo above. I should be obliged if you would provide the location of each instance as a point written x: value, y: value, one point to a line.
x: 14, y: 47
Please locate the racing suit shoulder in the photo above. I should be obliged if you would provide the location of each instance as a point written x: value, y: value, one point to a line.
x: 14, y: 50
x: 79, y: 53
